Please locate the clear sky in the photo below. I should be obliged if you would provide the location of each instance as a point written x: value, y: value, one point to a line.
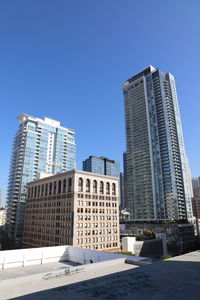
x: 67, y: 59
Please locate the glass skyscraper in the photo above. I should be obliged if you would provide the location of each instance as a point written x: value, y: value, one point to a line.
x: 40, y: 145
x: 157, y: 181
x: 101, y: 165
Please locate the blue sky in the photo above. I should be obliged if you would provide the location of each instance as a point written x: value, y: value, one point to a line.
x: 67, y: 60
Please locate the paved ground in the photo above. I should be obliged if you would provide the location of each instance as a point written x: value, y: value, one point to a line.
x: 30, y: 279
x: 14, y: 273
x: 172, y: 279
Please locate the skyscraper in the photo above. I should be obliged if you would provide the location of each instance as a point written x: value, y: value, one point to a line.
x: 196, y: 183
x: 157, y: 184
x: 196, y: 197
x: 40, y: 145
x: 101, y: 165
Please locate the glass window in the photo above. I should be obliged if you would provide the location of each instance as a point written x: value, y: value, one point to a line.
x: 54, y: 187
x: 59, y: 186
x: 80, y: 184
x: 69, y: 184
x: 46, y: 188
x: 64, y: 186
x: 107, y: 188
x: 50, y: 188
x: 94, y: 186
x: 42, y: 190
x: 88, y: 185
x: 113, y: 189
x: 101, y: 188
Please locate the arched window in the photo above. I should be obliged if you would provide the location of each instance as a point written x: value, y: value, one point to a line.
x: 54, y: 187
x: 35, y: 191
x: 80, y: 184
x: 38, y: 190
x: 101, y: 187
x: 88, y: 185
x: 42, y: 194
x: 69, y: 184
x: 64, y: 186
x: 94, y: 186
x: 59, y: 186
x: 113, y: 189
x: 107, y: 188
x: 50, y: 188
x: 46, y: 189
x: 29, y: 192
x: 32, y: 191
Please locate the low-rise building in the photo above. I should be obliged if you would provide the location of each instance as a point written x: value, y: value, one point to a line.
x: 75, y: 208
x: 2, y: 218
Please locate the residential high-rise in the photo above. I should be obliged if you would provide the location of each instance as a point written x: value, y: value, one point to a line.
x: 101, y: 165
x: 196, y: 199
x: 196, y: 183
x: 124, y: 181
x: 74, y: 208
x: 157, y: 185
x: 40, y: 145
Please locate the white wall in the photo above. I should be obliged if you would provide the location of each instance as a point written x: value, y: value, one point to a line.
x: 128, y: 244
x: 36, y: 256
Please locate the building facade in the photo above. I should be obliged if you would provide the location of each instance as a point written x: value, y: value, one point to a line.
x: 2, y: 218
x: 196, y: 199
x: 40, y: 145
x: 196, y: 203
x: 75, y: 208
x: 196, y: 183
x: 101, y: 165
x: 157, y: 185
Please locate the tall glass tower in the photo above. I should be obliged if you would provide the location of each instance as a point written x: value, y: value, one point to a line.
x: 157, y: 182
x: 40, y: 145
x: 101, y: 165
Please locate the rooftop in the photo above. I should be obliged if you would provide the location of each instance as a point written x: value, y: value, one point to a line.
x: 51, y: 122
x: 34, y: 270
x: 145, y: 71
x: 175, y: 278
x: 50, y: 177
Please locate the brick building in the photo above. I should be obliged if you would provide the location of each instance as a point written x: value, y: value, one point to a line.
x: 75, y: 208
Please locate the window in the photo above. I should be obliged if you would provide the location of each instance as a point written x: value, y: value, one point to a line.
x: 46, y: 189
x: 69, y: 184
x: 87, y: 185
x: 29, y: 192
x: 42, y: 190
x: 32, y: 191
x: 59, y: 186
x: 101, y: 188
x: 80, y: 184
x: 94, y: 186
x: 38, y: 190
x: 107, y: 188
x: 64, y: 186
x: 50, y: 188
x: 35, y: 191
x: 54, y: 187
x: 113, y: 189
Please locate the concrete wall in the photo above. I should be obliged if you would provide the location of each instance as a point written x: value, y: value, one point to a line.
x: 36, y: 256
x: 128, y: 244
x: 83, y: 256
x: 151, y: 248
